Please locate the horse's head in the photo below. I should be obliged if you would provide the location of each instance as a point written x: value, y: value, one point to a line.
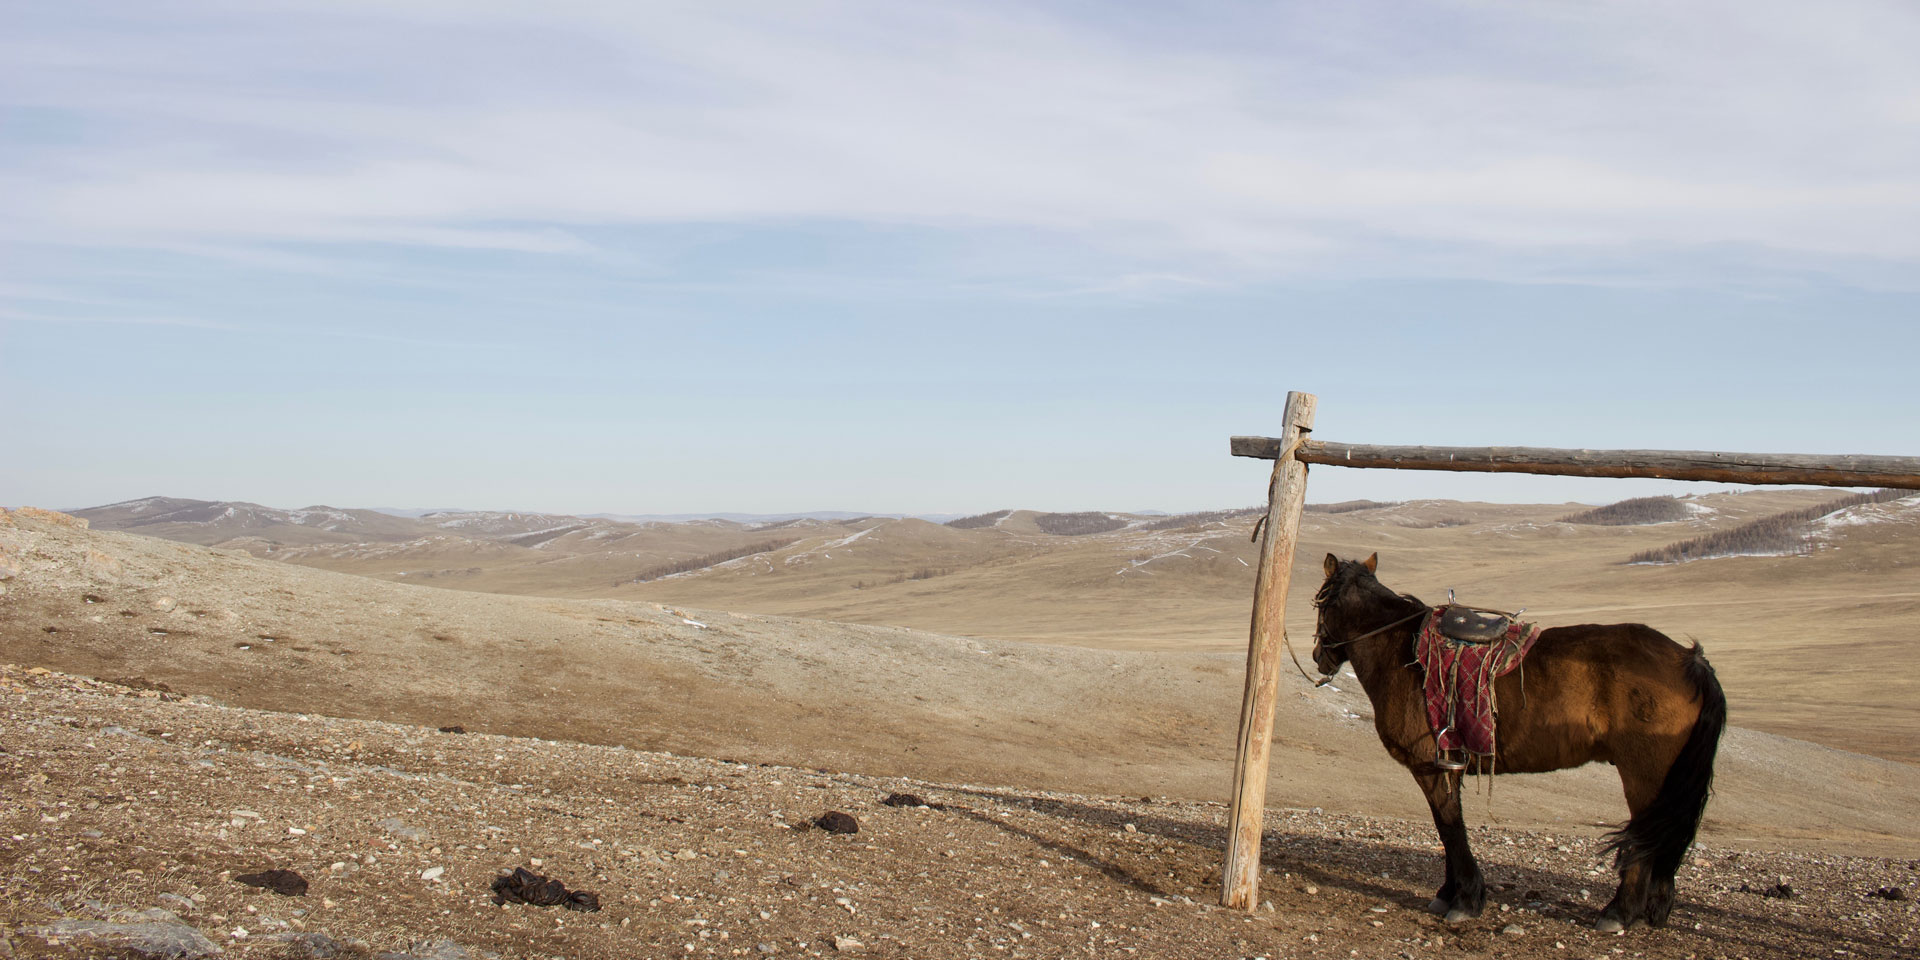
x: 1351, y: 602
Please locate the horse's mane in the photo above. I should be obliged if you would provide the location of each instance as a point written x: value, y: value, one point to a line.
x: 1327, y: 590
x: 1344, y: 578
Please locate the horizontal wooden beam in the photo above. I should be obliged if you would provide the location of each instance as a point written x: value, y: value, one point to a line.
x: 1827, y: 470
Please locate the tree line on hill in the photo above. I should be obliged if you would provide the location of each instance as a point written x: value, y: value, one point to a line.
x: 979, y: 520
x: 1196, y: 519
x: 1634, y: 512
x: 1778, y: 534
x: 1077, y: 524
x: 1349, y: 506
x: 711, y: 559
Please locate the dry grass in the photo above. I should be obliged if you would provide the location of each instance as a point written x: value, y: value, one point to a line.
x: 1764, y: 621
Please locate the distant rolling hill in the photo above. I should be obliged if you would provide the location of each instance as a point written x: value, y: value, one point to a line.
x: 1818, y: 646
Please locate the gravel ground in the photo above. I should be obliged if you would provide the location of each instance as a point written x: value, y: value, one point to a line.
x: 121, y: 800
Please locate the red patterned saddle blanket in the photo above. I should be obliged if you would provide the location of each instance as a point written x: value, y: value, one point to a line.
x: 1459, y: 681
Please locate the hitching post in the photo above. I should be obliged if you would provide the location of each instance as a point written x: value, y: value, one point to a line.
x: 1292, y: 451
x: 1240, y: 882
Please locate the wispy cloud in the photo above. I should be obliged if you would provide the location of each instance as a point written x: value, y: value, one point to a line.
x: 116, y: 319
x: 1298, y: 139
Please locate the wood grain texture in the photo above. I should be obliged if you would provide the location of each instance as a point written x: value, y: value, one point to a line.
x: 1286, y: 497
x: 1831, y: 470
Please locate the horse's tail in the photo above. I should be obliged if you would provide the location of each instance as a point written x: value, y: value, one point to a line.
x: 1660, y: 834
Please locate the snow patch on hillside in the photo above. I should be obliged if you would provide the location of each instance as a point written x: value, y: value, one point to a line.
x: 1903, y: 510
x: 1138, y: 565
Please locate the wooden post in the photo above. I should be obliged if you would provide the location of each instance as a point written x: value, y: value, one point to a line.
x: 1240, y: 881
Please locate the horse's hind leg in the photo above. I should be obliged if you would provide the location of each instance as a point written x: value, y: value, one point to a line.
x: 1629, y: 904
x: 1659, y: 900
x: 1465, y: 892
x: 1639, y: 896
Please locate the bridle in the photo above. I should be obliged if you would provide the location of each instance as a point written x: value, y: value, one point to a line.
x: 1320, y: 641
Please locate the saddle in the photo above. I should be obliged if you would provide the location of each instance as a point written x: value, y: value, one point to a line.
x: 1461, y: 651
x: 1465, y: 624
x: 1469, y: 625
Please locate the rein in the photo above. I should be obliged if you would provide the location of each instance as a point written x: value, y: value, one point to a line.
x: 1323, y: 681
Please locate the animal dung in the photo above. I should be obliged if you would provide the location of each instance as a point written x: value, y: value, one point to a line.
x: 907, y: 800
x: 283, y: 882
x: 833, y: 821
x: 525, y: 886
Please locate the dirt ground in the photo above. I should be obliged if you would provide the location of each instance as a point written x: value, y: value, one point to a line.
x: 130, y: 800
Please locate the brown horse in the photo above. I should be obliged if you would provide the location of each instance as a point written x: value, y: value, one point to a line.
x: 1620, y: 693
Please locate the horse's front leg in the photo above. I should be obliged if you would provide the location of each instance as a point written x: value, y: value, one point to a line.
x: 1465, y: 892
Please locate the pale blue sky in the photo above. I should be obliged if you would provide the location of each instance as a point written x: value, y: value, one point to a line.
x: 638, y: 257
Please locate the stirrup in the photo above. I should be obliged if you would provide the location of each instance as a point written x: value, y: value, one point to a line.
x: 1452, y: 761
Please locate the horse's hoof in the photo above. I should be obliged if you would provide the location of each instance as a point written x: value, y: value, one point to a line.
x: 1459, y: 915
x: 1609, y: 925
x: 1437, y: 907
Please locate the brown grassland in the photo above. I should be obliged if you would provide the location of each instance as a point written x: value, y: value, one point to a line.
x: 1036, y: 685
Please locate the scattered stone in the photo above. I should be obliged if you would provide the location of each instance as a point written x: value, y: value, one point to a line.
x: 163, y: 604
x: 904, y: 800
x: 833, y: 821
x: 99, y: 566
x: 170, y: 940
x: 432, y: 873
x: 439, y: 950
x: 149, y: 915
x: 846, y: 944
x: 309, y: 946
x: 1514, y: 930
x: 1778, y: 891
x: 179, y: 902
x: 525, y: 886
x: 767, y: 948
x: 139, y: 683
x: 400, y: 828
x: 286, y: 883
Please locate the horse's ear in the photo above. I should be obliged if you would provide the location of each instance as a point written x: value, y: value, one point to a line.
x: 1372, y: 562
x: 1332, y: 564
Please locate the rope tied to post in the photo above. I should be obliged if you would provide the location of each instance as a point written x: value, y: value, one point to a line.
x: 1261, y: 524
